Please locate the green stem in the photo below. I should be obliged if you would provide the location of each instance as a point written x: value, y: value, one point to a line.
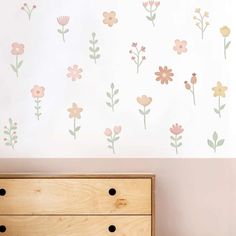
x: 74, y: 128
x: 151, y: 16
x: 63, y: 36
x: 194, y: 100
x: 214, y: 146
x: 219, y: 106
x: 17, y: 66
x: 37, y: 108
x: 144, y: 117
x: 112, y: 101
x: 113, y: 145
x: 94, y: 54
x: 176, y: 147
x: 225, y: 47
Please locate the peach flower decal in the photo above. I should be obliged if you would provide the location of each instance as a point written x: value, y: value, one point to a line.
x: 112, y: 137
x: 17, y: 50
x: 215, y: 142
x: 201, y: 20
x: 10, y: 132
x: 37, y: 92
x: 219, y: 91
x: 74, y: 113
x: 225, y: 32
x: 151, y: 7
x: 27, y: 9
x: 144, y: 101
x: 63, y: 21
x: 137, y: 55
x: 191, y: 88
x: 109, y: 18
x: 180, y: 46
x: 164, y: 75
x: 176, y: 130
x: 74, y: 72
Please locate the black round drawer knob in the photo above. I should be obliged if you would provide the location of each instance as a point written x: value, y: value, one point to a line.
x: 2, y: 192
x: 2, y: 229
x: 112, y: 228
x: 112, y: 191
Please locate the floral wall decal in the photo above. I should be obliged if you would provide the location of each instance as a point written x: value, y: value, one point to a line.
x: 112, y: 137
x: 94, y: 49
x: 74, y: 113
x: 201, y: 22
x: 10, y: 132
x: 28, y: 10
x: 151, y: 7
x: 144, y: 101
x: 63, y: 21
x: 111, y: 95
x: 219, y: 91
x: 17, y: 50
x: 110, y: 18
x: 215, y: 142
x: 164, y: 75
x: 137, y: 55
x: 37, y: 92
x: 74, y: 72
x: 191, y: 88
x: 225, y: 32
x: 176, y: 130
x: 180, y: 46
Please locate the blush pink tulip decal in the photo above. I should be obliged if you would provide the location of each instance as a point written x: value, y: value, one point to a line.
x: 151, y: 7
x: 63, y: 21
x: 176, y: 130
x: 112, y: 136
x: 17, y: 50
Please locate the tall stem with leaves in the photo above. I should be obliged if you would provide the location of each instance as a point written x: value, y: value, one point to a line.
x: 111, y: 95
x: 201, y: 22
x: 151, y: 7
x: 215, y: 142
x: 94, y: 49
x: 10, y: 132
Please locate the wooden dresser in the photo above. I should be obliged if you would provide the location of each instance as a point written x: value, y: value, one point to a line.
x: 77, y: 205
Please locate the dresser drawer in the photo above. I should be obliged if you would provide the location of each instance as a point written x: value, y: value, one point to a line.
x: 75, y: 196
x: 76, y: 225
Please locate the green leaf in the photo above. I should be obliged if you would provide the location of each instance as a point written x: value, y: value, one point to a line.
x: 222, y: 107
x: 172, y: 144
x: 19, y: 64
x: 108, y: 95
x: 210, y: 143
x: 10, y: 121
x: 116, y: 101
x: 216, y: 111
x: 67, y: 30
x: 147, y: 111
x: 8, y: 144
x: 215, y: 136
x: 6, y: 132
x: 93, y: 34
x: 172, y: 137
x: 149, y: 18
x: 220, y: 142
x: 91, y: 56
x: 14, y: 137
x: 116, y: 138
x: 77, y: 128
x: 97, y: 56
x: 116, y: 91
x: 91, y: 41
x: 227, y: 45
x: 95, y: 41
x: 13, y: 67
x: 110, y: 146
x: 109, y: 140
x: 91, y: 49
x: 108, y: 104
x: 178, y: 138
x: 71, y: 132
x: 154, y: 17
x: 141, y: 112
x: 179, y: 144
x: 112, y: 86
x: 59, y: 31
x: 96, y: 49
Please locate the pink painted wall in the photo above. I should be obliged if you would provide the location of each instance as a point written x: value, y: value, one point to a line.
x: 195, y: 197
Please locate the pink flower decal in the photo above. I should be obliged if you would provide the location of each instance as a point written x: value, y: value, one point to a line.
x: 28, y: 10
x: 112, y: 137
x: 74, y: 113
x: 176, y: 130
x: 37, y: 92
x: 180, y: 46
x: 164, y: 75
x: 17, y: 50
x: 74, y: 72
x: 151, y: 7
x: 137, y: 55
x: 63, y: 21
x: 109, y: 18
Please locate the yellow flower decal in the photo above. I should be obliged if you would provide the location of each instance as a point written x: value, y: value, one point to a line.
x: 225, y: 32
x: 219, y: 91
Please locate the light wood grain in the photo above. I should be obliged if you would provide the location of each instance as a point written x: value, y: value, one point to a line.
x: 76, y: 225
x: 76, y: 196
